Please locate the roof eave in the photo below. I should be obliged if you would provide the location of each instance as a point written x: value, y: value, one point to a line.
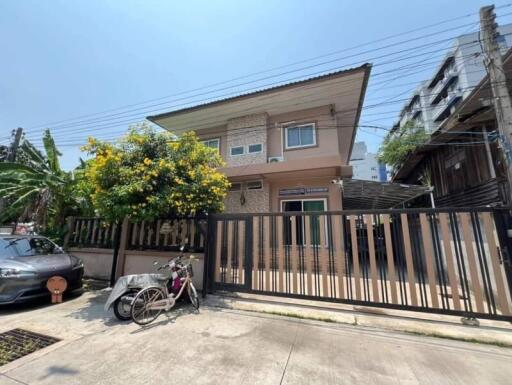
x: 365, y: 67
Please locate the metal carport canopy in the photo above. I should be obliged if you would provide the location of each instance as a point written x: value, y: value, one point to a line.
x: 367, y: 194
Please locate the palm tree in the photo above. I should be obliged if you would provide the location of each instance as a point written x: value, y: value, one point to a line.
x: 35, y: 184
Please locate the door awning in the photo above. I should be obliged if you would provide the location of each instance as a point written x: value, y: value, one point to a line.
x: 367, y: 194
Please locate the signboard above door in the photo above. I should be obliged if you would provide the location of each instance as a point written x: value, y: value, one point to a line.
x: 302, y: 191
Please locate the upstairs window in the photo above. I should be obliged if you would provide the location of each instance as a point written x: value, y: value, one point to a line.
x: 300, y: 136
x: 235, y: 151
x: 254, y: 148
x: 212, y: 143
x: 254, y: 185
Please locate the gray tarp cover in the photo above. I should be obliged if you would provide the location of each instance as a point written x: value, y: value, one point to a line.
x: 132, y: 281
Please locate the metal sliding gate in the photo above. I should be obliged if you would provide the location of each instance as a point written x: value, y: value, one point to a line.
x: 432, y: 260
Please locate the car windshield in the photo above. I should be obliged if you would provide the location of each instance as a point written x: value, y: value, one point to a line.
x: 27, y: 247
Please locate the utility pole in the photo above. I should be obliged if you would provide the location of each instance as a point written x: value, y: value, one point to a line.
x: 13, y: 149
x: 498, y: 82
x: 11, y: 155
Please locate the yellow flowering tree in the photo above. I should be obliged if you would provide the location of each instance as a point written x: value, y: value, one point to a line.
x: 148, y: 174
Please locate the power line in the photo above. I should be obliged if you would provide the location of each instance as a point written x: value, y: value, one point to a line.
x: 316, y: 114
x: 371, y: 106
x: 284, y: 66
x: 144, y: 110
x: 120, y: 122
x: 303, y: 68
x: 97, y: 127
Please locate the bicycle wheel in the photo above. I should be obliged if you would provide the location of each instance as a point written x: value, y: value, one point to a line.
x: 192, y: 295
x: 141, y: 311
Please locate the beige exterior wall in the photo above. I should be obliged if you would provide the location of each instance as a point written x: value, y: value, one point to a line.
x: 269, y: 131
x: 326, y: 133
x: 243, y: 131
x: 333, y: 194
x: 269, y: 199
x: 139, y: 262
x: 256, y: 201
x: 97, y: 262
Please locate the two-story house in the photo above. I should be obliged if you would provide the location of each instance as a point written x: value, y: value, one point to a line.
x: 283, y: 146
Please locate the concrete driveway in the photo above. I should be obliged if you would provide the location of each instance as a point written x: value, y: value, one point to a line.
x: 220, y: 346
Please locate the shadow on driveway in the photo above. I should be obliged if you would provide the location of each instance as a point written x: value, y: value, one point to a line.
x: 92, y: 310
x: 37, y: 303
x: 170, y: 317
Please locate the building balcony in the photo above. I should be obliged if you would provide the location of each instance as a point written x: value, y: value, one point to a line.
x: 442, y: 110
x: 331, y: 165
x: 442, y: 86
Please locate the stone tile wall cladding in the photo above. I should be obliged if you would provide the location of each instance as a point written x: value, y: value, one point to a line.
x: 256, y: 201
x: 243, y: 131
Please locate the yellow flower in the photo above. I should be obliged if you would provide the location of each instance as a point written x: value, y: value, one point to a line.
x: 147, y: 161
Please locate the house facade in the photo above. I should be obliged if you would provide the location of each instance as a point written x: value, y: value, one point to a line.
x: 282, y: 146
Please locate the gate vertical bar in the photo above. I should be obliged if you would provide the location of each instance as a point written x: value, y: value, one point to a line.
x: 209, y: 253
x: 496, y: 264
x: 249, y: 239
x: 502, y: 223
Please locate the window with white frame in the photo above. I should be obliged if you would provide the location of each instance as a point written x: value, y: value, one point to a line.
x: 212, y: 143
x: 254, y: 148
x: 237, y: 150
x: 303, y: 135
x: 235, y: 186
x: 254, y: 185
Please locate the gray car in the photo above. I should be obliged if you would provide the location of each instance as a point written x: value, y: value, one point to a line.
x: 26, y: 263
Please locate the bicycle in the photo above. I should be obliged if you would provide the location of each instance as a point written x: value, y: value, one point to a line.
x: 149, y: 303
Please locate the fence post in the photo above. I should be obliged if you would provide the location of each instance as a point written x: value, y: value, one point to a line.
x: 119, y: 257
x: 70, y: 221
x: 248, y: 252
x: 208, y: 239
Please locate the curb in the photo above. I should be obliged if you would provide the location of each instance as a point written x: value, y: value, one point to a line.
x: 491, y: 333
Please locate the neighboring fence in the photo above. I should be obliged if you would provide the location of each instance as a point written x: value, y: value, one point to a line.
x: 91, y: 232
x: 128, y: 246
x: 178, y: 232
x: 442, y: 261
x: 162, y: 234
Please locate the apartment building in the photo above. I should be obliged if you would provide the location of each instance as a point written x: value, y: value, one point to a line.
x: 460, y: 71
x: 365, y: 165
x: 463, y: 161
x: 283, y: 146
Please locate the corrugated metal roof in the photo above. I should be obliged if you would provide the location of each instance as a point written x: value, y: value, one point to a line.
x: 366, y: 67
x: 367, y: 194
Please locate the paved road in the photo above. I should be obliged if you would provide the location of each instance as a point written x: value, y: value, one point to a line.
x: 220, y: 346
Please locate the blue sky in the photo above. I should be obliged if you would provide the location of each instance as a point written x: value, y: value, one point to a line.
x: 65, y: 59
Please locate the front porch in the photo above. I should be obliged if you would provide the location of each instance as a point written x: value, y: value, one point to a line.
x: 284, y: 186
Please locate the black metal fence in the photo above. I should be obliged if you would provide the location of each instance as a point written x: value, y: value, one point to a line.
x: 442, y: 261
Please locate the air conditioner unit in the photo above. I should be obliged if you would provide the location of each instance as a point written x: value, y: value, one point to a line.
x: 274, y: 159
